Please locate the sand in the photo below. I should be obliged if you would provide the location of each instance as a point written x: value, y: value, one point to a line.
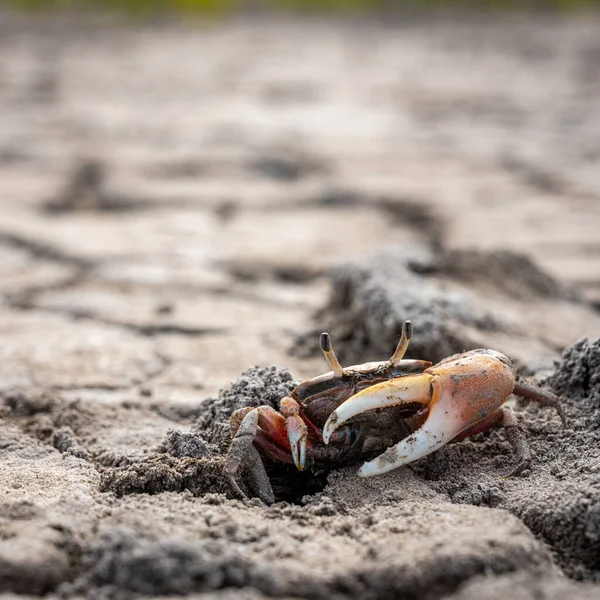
x: 175, y: 234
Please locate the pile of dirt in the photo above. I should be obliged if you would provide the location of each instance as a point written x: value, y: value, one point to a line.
x: 457, y: 300
x: 193, y: 460
x: 371, y: 299
x: 257, y: 386
x: 157, y: 473
x: 444, y: 294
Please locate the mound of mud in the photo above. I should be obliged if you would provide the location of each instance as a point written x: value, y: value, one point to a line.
x: 193, y: 460
x: 457, y: 300
x: 370, y: 300
x: 255, y: 387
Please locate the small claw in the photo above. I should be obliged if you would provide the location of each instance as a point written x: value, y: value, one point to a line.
x: 542, y: 397
x: 445, y: 421
x: 408, y: 389
x: 297, y: 434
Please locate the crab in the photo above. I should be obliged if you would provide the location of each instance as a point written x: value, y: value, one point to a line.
x: 389, y: 413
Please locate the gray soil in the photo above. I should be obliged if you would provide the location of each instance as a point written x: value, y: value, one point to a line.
x: 169, y: 222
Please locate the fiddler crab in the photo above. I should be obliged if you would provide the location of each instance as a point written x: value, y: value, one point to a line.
x: 392, y: 412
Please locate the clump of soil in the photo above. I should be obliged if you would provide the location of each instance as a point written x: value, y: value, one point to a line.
x: 192, y: 444
x: 577, y: 379
x: 193, y: 460
x: 370, y: 300
x: 157, y: 473
x: 444, y: 294
x: 255, y: 387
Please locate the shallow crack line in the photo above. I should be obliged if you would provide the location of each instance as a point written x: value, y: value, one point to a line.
x: 45, y: 251
x: 165, y: 363
x: 543, y: 178
x: 89, y: 387
x: 411, y: 212
x: 148, y: 330
x: 151, y: 330
x: 256, y: 271
x: 112, y: 203
x: 24, y: 298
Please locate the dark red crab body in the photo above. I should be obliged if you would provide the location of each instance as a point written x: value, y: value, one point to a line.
x: 393, y: 412
x: 365, y: 435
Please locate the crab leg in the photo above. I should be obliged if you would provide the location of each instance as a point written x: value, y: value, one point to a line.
x: 517, y: 441
x: 247, y: 425
x: 542, y: 397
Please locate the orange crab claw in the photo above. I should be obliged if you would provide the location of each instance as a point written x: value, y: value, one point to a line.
x: 460, y: 392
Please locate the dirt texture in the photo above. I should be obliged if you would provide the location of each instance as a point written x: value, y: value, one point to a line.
x: 185, y: 206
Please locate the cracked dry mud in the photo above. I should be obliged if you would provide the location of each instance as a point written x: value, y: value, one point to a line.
x: 182, y: 203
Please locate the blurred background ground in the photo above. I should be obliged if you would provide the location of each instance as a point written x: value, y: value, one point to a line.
x: 174, y: 193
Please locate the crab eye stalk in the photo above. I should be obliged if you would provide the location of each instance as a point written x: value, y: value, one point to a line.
x: 407, y: 331
x: 330, y: 357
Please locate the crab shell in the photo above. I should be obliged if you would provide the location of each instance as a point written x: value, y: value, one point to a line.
x: 321, y: 395
x: 462, y: 395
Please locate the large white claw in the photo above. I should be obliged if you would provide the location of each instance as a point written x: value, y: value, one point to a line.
x: 444, y: 422
x: 406, y: 390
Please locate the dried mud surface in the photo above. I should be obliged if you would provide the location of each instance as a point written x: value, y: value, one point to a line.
x: 171, y: 227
